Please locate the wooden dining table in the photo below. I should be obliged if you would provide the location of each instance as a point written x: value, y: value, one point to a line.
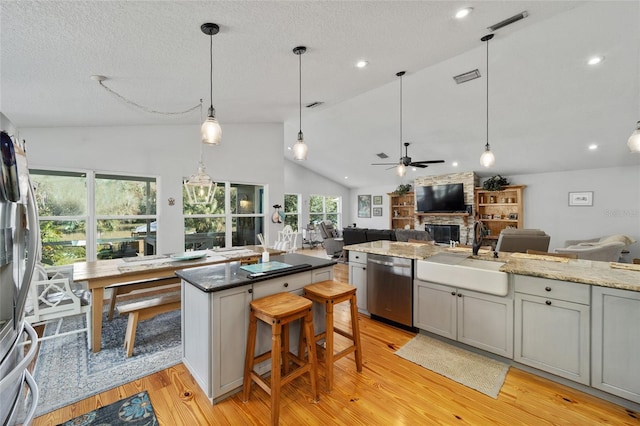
x: 159, y: 269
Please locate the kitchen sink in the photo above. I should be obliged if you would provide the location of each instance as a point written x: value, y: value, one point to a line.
x: 463, y: 272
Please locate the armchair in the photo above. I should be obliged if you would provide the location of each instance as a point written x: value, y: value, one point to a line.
x: 521, y: 240
x: 332, y: 240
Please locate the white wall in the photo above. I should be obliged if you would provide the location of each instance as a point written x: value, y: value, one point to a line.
x: 248, y: 153
x: 374, y: 222
x: 299, y: 180
x: 615, y: 210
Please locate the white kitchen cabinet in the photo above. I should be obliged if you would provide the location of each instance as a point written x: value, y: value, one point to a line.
x: 616, y: 342
x: 358, y: 278
x: 222, y: 317
x: 481, y: 320
x: 552, y: 326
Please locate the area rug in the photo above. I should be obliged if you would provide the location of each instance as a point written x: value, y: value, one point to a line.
x: 135, y: 410
x: 66, y: 371
x: 475, y: 371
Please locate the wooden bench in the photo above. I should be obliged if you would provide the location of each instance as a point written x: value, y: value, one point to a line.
x: 165, y: 285
x: 143, y: 310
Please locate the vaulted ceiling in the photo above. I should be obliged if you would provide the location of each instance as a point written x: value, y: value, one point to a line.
x: 546, y: 105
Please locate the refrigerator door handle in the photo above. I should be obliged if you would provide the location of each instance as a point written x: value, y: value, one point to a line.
x: 35, y: 395
x: 33, y: 254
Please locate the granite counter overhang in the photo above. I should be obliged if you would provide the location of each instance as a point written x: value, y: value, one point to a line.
x: 578, y: 271
x: 229, y: 275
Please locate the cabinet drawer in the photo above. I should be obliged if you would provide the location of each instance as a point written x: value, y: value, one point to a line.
x: 357, y: 256
x: 553, y: 289
x: 278, y: 285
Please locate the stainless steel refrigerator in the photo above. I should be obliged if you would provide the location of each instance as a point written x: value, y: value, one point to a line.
x: 19, y: 250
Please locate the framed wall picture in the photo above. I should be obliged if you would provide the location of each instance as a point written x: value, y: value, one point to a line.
x: 377, y: 200
x: 581, y: 198
x: 364, y: 205
x: 377, y: 211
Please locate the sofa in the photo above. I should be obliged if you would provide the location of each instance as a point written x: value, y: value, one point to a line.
x: 606, y: 249
x: 365, y: 235
x: 520, y: 240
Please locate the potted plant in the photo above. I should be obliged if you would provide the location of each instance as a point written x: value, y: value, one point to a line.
x: 495, y: 183
x: 402, y: 189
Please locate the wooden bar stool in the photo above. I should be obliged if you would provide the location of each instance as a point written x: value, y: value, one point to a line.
x: 330, y: 293
x: 278, y: 311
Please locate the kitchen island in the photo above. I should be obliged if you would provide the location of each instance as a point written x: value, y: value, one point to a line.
x: 215, y: 315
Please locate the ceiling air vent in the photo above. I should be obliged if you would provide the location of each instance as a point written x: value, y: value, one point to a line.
x: 314, y: 104
x: 508, y: 21
x: 467, y: 76
x: 382, y: 155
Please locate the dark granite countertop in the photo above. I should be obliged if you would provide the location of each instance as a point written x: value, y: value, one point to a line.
x: 229, y: 275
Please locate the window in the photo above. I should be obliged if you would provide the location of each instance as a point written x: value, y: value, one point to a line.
x: 235, y: 217
x: 125, y: 210
x: 121, y: 218
x: 325, y: 207
x: 292, y: 210
x: 62, y: 206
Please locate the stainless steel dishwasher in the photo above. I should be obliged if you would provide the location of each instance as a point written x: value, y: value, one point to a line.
x: 390, y: 288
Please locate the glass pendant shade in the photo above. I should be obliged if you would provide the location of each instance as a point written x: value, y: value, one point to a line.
x: 211, y: 130
x: 487, y: 159
x: 200, y: 188
x: 300, y: 149
x: 401, y: 170
x: 634, y: 140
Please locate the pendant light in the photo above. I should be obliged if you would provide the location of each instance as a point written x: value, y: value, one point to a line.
x: 401, y: 170
x: 487, y: 159
x: 211, y: 130
x: 634, y: 140
x: 300, y: 148
x: 200, y: 187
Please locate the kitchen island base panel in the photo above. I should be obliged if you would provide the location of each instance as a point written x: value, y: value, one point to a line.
x: 215, y: 326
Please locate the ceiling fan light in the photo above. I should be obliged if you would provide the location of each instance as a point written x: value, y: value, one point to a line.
x: 634, y: 140
x: 211, y: 130
x: 487, y: 159
x: 401, y: 170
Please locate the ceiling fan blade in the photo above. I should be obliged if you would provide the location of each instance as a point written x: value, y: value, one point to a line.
x: 427, y: 162
x: 384, y: 164
x: 421, y: 166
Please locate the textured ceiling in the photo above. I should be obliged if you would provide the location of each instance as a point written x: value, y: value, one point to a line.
x: 546, y: 105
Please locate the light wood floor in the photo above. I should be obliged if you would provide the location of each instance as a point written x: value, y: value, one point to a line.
x: 390, y: 390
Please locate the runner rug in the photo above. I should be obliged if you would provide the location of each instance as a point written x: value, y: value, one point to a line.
x: 67, y: 372
x: 475, y: 371
x: 135, y: 410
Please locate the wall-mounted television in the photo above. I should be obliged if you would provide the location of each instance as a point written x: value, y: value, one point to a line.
x: 446, y: 198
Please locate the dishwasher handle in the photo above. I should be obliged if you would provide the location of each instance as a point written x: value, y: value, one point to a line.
x: 391, y: 264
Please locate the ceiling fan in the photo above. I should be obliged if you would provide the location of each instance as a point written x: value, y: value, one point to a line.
x: 405, y: 160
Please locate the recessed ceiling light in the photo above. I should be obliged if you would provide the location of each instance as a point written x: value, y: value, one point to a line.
x: 454, y: 164
x: 413, y: 169
x: 362, y: 64
x: 463, y: 12
x: 289, y: 148
x: 593, y: 147
x: 595, y: 60
x: 346, y: 177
